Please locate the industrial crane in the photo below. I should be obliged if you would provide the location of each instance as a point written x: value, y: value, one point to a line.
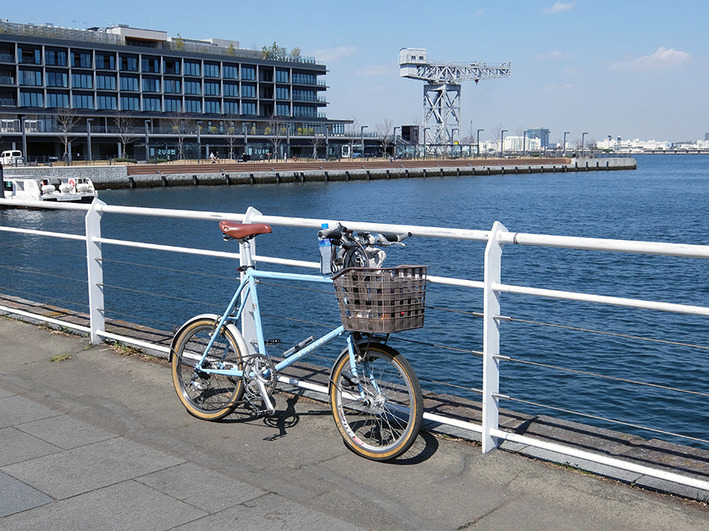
x: 441, y: 93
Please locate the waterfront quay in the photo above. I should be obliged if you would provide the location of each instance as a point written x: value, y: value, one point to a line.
x: 275, y: 172
x: 95, y: 434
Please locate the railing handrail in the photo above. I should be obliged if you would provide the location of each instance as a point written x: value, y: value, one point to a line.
x: 492, y: 287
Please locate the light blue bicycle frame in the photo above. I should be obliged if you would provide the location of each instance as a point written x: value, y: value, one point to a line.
x: 247, y: 290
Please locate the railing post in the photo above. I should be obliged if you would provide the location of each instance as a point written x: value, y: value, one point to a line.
x: 248, y: 322
x: 94, y: 267
x: 491, y: 337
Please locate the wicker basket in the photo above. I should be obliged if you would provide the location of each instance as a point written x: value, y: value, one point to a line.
x: 381, y: 300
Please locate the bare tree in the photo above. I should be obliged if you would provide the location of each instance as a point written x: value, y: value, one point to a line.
x: 66, y: 121
x: 383, y: 130
x: 181, y: 126
x: 276, y: 132
x: 126, y: 130
x: 233, y: 133
x: 316, y: 141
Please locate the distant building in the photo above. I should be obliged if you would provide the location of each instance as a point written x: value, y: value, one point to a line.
x: 540, y: 134
x: 140, y: 93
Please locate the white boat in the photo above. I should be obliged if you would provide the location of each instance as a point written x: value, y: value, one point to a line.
x: 73, y: 189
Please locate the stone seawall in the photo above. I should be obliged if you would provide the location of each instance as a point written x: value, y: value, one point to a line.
x: 113, y: 177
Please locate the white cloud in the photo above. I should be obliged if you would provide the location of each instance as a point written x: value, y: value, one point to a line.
x: 333, y: 55
x: 377, y: 70
x: 662, y: 59
x: 560, y: 7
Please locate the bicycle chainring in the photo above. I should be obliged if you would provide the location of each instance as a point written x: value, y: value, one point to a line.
x: 258, y: 368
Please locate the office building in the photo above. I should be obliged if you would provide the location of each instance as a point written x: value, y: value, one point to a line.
x: 121, y: 91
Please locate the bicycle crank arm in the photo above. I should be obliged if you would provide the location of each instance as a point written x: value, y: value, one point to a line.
x: 264, y: 396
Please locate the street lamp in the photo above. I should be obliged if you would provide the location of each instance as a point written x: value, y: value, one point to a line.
x: 583, y: 137
x: 361, y: 135
x: 502, y: 140
x: 88, y: 136
x: 524, y: 142
x: 478, y: 135
x: 396, y: 144
x: 564, y: 146
x: 199, y: 140
x: 244, y: 130
x: 147, y: 140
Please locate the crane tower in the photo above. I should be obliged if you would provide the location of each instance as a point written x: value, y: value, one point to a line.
x: 441, y: 93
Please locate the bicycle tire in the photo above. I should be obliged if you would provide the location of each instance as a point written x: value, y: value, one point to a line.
x: 206, y: 396
x: 386, y: 424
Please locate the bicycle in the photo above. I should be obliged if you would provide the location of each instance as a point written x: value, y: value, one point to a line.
x: 374, y: 393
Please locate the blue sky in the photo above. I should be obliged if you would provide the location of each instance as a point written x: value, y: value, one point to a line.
x: 620, y: 68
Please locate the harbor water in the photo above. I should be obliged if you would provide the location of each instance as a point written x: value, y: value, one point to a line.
x: 553, y: 344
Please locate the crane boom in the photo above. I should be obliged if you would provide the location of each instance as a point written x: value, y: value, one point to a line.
x: 441, y: 93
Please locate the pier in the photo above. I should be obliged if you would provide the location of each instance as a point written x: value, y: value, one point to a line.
x: 274, y: 172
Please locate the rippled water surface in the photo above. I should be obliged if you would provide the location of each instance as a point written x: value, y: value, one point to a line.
x: 666, y: 199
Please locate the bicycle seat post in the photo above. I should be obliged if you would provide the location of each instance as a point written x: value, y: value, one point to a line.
x: 247, y: 260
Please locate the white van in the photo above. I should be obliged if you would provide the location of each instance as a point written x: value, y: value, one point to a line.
x: 11, y: 158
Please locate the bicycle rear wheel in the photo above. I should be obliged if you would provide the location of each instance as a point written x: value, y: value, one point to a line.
x: 385, y: 423
x: 206, y: 396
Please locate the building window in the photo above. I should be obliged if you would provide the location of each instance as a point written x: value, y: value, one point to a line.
x: 30, y: 56
x: 231, y: 89
x: 282, y: 76
x: 230, y: 71
x: 55, y: 57
x: 31, y: 99
x: 304, y: 79
x: 231, y: 107
x: 304, y: 95
x: 211, y: 88
x: 129, y: 63
x: 248, y: 72
x: 248, y: 91
x: 282, y: 93
x: 193, y: 87
x: 212, y: 107
x: 192, y: 105
x: 151, y: 64
x: 129, y: 83
x: 172, y: 86
x: 57, y: 100
x: 151, y: 84
x: 105, y: 61
x: 81, y: 59
x: 171, y: 66
x: 211, y: 69
x: 302, y: 110
x: 81, y: 80
x: 192, y: 68
x: 151, y: 103
x: 106, y: 103
x: 130, y: 103
x: 248, y: 107
x: 83, y: 101
x: 173, y: 105
x: 282, y: 109
x: 30, y: 78
x: 57, y: 79
x: 105, y: 81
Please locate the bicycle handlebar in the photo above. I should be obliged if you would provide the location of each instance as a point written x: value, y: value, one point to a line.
x: 385, y: 239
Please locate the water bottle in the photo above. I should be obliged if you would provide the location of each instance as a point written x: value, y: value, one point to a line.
x: 325, y: 254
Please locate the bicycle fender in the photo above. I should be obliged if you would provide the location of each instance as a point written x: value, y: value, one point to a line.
x: 185, y: 325
x: 362, y: 342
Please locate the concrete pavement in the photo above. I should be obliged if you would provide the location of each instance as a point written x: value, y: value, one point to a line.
x: 98, y: 440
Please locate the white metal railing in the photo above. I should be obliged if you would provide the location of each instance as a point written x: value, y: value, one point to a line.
x: 491, y: 285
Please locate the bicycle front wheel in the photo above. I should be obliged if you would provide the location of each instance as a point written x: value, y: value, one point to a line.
x: 206, y: 396
x: 379, y: 410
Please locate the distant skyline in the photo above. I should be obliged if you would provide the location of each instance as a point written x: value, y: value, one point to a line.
x: 624, y: 69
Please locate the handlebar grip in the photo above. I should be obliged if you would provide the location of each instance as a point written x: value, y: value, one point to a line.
x: 334, y: 232
x: 393, y: 238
